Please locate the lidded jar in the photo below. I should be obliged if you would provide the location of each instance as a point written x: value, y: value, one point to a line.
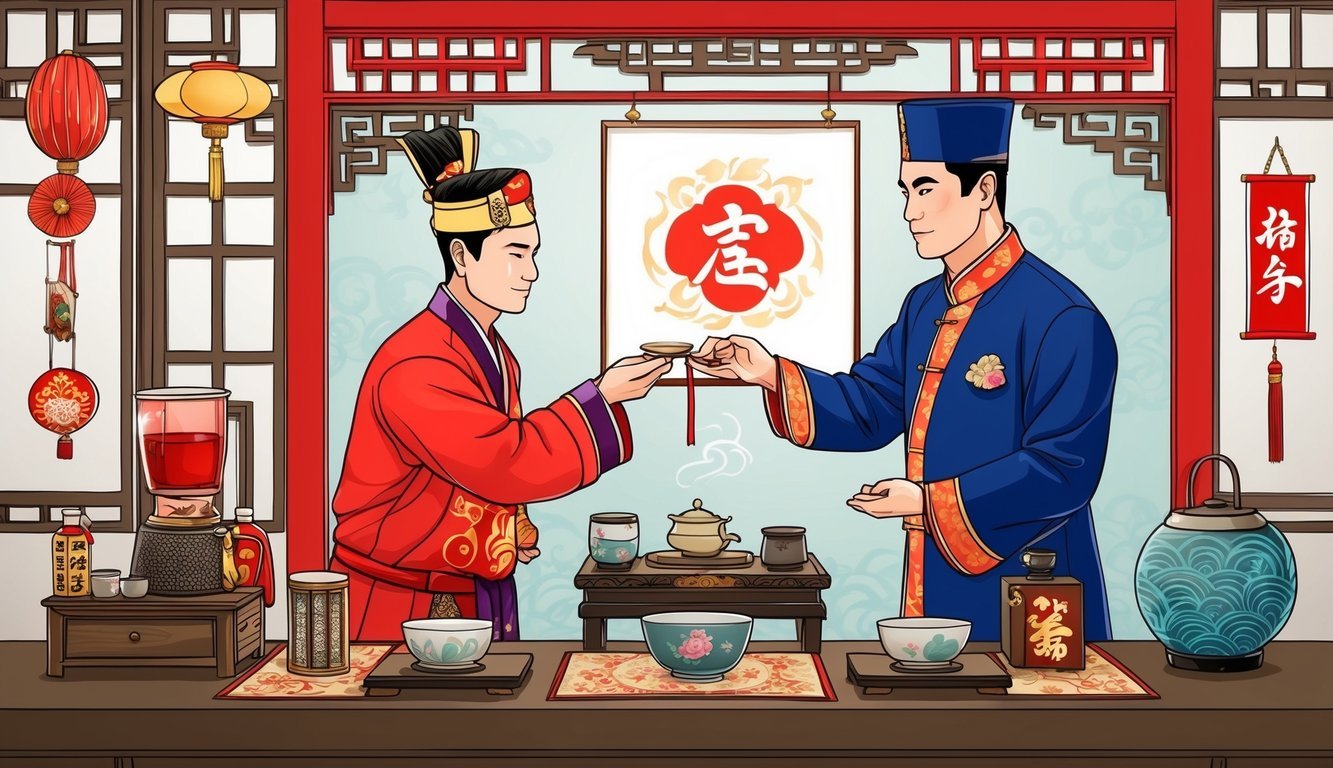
x: 1215, y: 582
x: 613, y: 539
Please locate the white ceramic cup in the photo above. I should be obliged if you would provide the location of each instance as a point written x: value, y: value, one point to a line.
x: 134, y: 586
x: 105, y: 582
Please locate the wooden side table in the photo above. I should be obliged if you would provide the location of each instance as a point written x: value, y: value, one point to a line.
x: 754, y: 591
x: 201, y: 631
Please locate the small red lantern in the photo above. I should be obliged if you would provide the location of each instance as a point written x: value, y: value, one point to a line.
x: 66, y: 109
x: 63, y: 401
x: 62, y: 205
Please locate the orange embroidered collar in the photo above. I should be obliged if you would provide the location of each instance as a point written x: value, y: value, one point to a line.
x: 986, y: 270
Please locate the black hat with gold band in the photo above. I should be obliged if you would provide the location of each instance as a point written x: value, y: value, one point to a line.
x: 465, y: 199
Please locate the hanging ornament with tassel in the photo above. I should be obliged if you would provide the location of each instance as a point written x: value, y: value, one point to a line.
x: 1277, y: 287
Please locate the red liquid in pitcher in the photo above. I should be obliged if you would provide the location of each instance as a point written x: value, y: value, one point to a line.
x: 183, y: 460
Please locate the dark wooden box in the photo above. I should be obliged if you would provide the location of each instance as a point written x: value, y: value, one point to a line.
x: 1041, y: 622
x: 217, y: 631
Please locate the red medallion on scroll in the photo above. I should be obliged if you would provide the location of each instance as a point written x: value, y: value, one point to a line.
x: 742, y: 228
x: 734, y: 247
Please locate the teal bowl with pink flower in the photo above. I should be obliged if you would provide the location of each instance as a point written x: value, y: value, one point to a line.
x: 698, y: 646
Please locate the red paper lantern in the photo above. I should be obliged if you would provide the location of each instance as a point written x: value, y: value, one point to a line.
x: 63, y: 401
x: 66, y: 109
x: 62, y: 205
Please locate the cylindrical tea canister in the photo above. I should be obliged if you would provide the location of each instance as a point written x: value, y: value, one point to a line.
x: 317, y: 623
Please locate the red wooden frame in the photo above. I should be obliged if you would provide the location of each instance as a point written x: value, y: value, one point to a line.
x: 311, y: 23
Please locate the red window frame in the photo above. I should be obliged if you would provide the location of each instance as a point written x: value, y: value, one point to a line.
x: 310, y: 25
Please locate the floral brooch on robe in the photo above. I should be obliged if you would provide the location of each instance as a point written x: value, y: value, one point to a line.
x: 986, y: 373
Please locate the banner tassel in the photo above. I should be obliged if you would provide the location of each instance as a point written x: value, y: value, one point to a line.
x: 1275, y: 408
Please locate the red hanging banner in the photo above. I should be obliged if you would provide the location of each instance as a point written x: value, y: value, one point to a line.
x: 1277, y: 277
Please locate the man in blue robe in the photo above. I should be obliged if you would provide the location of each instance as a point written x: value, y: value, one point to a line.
x: 999, y: 372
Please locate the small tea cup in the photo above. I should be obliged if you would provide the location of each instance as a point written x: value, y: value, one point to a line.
x: 105, y: 582
x: 134, y: 586
x: 1039, y: 562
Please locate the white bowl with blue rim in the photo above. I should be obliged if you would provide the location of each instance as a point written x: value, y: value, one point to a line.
x: 924, y: 642
x: 448, y: 645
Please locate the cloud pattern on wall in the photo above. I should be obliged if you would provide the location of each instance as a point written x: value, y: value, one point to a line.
x: 724, y: 457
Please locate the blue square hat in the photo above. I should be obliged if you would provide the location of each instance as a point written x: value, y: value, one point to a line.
x: 955, y: 130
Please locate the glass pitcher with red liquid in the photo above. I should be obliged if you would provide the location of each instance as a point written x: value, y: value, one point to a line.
x: 183, y: 441
x: 182, y: 547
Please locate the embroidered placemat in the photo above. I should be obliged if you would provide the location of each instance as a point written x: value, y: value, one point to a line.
x: 1103, y: 676
x: 601, y: 675
x: 269, y: 678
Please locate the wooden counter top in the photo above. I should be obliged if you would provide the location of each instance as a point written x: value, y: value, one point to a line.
x: 1283, y: 710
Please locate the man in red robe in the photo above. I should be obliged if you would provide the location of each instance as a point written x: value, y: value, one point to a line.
x: 441, y: 460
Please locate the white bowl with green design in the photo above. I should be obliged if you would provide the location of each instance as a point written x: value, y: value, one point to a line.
x: 447, y: 643
x: 923, y: 641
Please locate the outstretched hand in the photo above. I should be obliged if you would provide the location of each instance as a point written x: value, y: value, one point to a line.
x: 630, y: 378
x: 896, y: 497
x: 739, y: 358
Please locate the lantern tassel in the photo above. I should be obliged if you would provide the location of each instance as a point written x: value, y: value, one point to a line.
x: 1275, y: 408
x: 65, y: 447
x: 215, y: 171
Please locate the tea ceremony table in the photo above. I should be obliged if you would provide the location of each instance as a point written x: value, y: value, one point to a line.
x: 753, y: 590
x: 1275, y: 717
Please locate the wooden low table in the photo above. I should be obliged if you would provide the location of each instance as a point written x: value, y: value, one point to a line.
x: 753, y: 590
x: 199, y: 631
x: 1273, y: 717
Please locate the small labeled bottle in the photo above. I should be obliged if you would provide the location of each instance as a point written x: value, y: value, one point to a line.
x: 1041, y: 616
x: 71, y: 555
x: 253, y: 554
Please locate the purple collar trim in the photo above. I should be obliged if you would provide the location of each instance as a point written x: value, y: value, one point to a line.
x: 456, y: 318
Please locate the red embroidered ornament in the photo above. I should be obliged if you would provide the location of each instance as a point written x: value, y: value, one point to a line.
x: 63, y: 401
x: 62, y: 205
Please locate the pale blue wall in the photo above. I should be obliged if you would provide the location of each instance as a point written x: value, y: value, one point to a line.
x: 1104, y: 231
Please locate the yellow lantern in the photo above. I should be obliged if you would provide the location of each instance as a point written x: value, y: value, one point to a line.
x: 214, y: 94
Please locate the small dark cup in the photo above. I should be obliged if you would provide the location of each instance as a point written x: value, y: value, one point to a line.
x: 783, y: 548
x: 1040, y: 563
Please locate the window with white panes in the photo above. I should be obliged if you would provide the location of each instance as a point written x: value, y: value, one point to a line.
x: 213, y: 276
x: 209, y: 276
x: 101, y: 477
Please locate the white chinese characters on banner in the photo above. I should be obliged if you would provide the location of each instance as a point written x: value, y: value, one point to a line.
x: 1278, y: 228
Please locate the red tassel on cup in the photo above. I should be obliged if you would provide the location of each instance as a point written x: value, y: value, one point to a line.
x: 1275, y: 408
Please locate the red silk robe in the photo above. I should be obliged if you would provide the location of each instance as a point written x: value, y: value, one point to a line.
x: 440, y: 463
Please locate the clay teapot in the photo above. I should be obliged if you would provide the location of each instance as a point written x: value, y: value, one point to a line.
x: 699, y: 533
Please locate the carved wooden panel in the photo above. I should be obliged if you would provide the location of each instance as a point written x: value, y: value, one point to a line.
x: 427, y: 62
x: 363, y: 136
x: 1070, y: 63
x: 1134, y: 135
x: 727, y: 56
